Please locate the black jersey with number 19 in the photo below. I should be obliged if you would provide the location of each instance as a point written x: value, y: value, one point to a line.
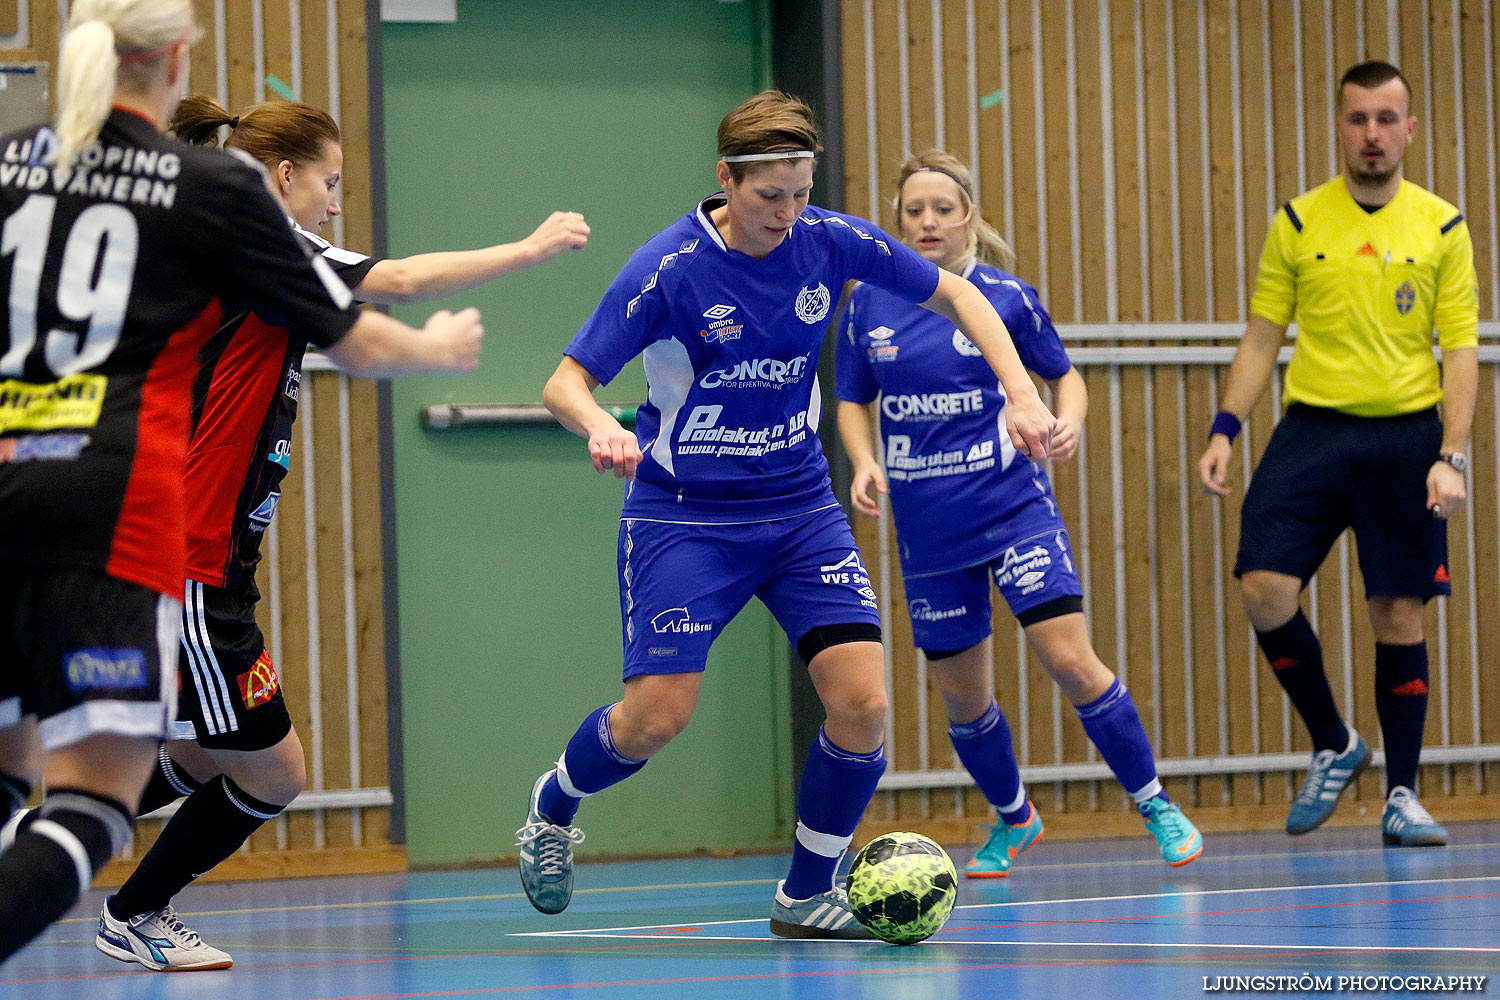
x: 117, y: 275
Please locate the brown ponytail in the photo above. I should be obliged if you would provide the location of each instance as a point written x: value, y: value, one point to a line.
x: 269, y: 132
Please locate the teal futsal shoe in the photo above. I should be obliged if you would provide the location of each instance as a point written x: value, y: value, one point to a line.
x: 1175, y: 834
x: 1006, y: 841
x: 827, y: 915
x: 1327, y: 777
x: 546, y: 859
x: 1406, y: 824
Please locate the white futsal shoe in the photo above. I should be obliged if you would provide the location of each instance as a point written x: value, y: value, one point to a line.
x: 159, y: 940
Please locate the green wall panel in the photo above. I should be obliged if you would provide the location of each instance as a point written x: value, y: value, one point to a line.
x: 510, y: 628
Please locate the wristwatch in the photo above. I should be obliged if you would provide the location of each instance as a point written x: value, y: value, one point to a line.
x: 1457, y: 459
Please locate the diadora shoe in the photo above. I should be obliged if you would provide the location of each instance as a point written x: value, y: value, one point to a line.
x: 1006, y: 841
x: 1175, y: 834
x: 1406, y: 824
x: 159, y: 940
x: 1326, y: 780
x: 546, y: 859
x: 826, y: 915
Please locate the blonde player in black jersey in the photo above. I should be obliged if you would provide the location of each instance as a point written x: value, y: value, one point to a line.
x: 118, y: 247
x: 235, y: 753
x: 1370, y: 266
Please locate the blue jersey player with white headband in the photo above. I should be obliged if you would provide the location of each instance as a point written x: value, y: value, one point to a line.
x: 969, y: 507
x: 729, y: 495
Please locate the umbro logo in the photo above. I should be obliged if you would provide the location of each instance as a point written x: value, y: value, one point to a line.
x: 718, y: 311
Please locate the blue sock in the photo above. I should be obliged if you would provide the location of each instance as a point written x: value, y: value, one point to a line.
x: 984, y: 747
x: 590, y: 764
x: 836, y: 787
x: 1112, y: 723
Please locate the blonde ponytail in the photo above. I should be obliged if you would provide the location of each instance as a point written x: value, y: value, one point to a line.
x: 86, y: 70
x: 102, y: 36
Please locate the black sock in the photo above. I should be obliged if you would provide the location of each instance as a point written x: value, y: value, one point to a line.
x: 14, y: 792
x: 1401, y: 703
x: 1296, y: 659
x: 210, y: 826
x: 168, y: 784
x: 54, y: 859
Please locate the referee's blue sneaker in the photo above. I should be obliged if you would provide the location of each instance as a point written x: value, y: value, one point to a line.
x: 546, y: 859
x: 1406, y: 824
x: 1327, y: 777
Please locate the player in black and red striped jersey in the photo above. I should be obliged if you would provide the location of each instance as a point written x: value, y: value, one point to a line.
x: 237, y: 756
x: 120, y: 250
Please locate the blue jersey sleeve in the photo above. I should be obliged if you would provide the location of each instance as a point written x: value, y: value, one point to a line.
x: 882, y: 260
x: 626, y: 320
x: 1031, y: 329
x: 855, y: 379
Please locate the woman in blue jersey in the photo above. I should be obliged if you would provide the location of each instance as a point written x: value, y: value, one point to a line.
x: 729, y: 495
x: 968, y: 507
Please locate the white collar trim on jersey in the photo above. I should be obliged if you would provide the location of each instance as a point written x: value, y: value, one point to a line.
x: 708, y: 224
x: 317, y: 240
x: 973, y: 263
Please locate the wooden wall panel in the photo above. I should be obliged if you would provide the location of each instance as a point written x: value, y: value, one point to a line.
x: 1136, y: 156
x: 340, y: 619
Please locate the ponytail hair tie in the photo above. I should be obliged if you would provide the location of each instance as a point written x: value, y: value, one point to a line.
x: 234, y: 122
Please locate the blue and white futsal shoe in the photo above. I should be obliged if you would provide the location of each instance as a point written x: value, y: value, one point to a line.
x: 159, y: 940
x: 1327, y: 777
x: 1406, y: 824
x: 546, y: 859
x: 826, y: 915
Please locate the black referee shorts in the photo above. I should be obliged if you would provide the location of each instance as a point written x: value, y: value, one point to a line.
x: 86, y: 653
x: 231, y: 696
x: 1324, y: 471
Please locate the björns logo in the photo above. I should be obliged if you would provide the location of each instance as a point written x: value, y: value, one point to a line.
x: 812, y: 304
x: 931, y: 405
x: 267, y: 509
x: 281, y: 454
x: 963, y: 345
x: 113, y: 669
x: 767, y: 373
x: 678, y: 620
x: 922, y: 611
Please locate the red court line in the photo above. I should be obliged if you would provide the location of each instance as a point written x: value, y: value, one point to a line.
x: 748, y: 977
x: 1223, y: 913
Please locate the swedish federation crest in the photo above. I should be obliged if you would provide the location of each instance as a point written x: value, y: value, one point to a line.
x: 1406, y: 297
x: 812, y: 304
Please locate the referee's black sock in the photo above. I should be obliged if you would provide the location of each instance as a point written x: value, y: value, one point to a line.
x: 1401, y: 703
x: 168, y: 783
x: 1296, y: 659
x: 54, y: 859
x: 210, y: 826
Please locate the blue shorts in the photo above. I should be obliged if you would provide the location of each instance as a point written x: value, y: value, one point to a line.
x: 680, y: 584
x: 951, y: 611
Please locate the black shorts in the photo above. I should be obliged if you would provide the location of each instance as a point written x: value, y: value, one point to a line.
x: 86, y: 653
x: 1324, y: 471
x: 231, y: 697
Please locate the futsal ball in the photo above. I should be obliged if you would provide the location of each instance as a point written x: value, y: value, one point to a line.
x: 902, y: 887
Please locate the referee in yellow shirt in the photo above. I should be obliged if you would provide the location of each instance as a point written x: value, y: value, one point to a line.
x: 1369, y: 266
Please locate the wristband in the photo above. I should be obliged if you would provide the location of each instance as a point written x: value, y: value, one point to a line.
x: 1227, y: 424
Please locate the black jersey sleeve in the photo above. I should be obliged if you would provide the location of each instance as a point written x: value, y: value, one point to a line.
x: 350, y: 265
x: 264, y: 264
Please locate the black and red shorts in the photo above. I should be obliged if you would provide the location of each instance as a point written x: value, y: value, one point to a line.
x: 231, y: 695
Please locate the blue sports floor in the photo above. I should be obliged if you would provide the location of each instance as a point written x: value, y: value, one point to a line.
x: 1076, y: 921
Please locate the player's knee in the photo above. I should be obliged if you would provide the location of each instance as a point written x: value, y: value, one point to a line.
x: 1270, y: 599
x: 863, y: 710
x: 649, y: 731
x: 1396, y: 620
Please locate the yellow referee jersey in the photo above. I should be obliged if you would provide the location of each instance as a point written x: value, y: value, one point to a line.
x: 1367, y: 289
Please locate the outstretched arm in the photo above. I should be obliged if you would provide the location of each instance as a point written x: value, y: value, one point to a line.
x: 428, y: 276
x: 378, y: 346
x: 569, y: 395
x: 1026, y: 416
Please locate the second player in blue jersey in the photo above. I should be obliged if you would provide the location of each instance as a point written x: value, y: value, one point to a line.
x: 969, y: 508
x: 730, y: 497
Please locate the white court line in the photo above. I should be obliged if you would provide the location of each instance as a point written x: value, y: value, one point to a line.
x: 1194, y: 893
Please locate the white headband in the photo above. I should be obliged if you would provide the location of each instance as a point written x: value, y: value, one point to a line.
x: 795, y: 154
